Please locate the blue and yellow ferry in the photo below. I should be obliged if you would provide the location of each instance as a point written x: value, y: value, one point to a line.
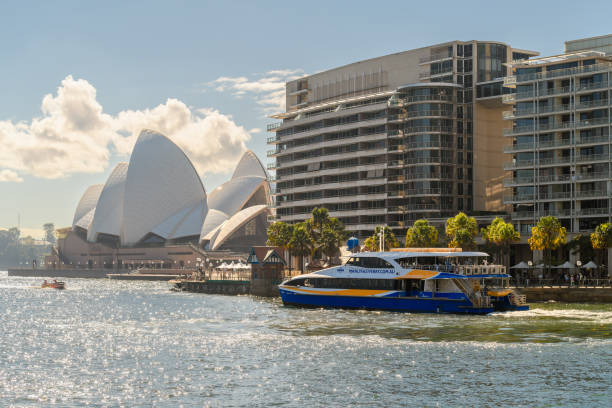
x: 426, y: 280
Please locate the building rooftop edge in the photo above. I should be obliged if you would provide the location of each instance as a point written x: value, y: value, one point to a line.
x: 587, y: 38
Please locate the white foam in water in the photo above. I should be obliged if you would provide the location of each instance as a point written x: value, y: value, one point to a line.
x: 574, y: 314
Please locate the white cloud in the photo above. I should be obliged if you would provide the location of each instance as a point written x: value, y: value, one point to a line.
x: 267, y: 89
x: 10, y: 176
x: 74, y: 135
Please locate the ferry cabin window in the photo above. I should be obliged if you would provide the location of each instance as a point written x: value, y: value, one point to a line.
x: 421, y: 260
x: 369, y: 262
x: 339, y: 283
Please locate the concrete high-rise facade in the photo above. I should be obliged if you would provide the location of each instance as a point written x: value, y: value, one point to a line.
x: 389, y: 140
x: 561, y: 138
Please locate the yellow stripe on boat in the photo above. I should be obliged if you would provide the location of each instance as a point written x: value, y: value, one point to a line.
x: 499, y: 292
x: 418, y: 274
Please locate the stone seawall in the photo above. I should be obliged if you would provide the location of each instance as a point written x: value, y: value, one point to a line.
x: 569, y: 295
x: 60, y: 273
x: 214, y: 287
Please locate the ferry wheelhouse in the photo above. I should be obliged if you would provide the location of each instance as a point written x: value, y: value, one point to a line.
x: 435, y: 280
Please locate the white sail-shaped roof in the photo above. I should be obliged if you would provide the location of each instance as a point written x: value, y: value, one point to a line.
x: 85, y: 221
x: 109, y: 211
x: 183, y: 223
x: 214, y: 219
x: 161, y: 183
x: 230, y: 197
x: 235, y: 223
x: 87, y: 202
x: 249, y: 165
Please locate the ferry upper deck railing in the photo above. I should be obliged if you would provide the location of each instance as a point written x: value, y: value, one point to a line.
x: 462, y: 269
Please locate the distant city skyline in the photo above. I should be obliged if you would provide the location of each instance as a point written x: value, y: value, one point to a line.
x: 81, y: 80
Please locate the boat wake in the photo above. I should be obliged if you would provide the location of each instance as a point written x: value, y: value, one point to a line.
x: 571, y: 314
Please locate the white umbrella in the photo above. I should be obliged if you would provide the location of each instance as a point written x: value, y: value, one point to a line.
x: 223, y: 266
x: 590, y: 265
x: 565, y: 265
x: 520, y: 265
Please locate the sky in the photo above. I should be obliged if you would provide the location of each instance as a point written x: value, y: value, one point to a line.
x: 79, y: 80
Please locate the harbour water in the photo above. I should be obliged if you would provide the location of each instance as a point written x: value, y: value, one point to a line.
x: 115, y: 343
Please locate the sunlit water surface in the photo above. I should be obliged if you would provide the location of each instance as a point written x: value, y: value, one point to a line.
x: 114, y: 343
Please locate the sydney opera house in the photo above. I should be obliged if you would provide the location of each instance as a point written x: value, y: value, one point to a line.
x: 155, y: 209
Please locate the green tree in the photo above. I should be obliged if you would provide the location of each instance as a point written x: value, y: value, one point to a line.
x: 501, y: 235
x: 373, y: 243
x: 279, y: 234
x: 461, y: 231
x: 421, y: 235
x: 301, y: 243
x: 14, y: 234
x: 49, y: 232
x: 601, y: 239
x: 581, y: 245
x: 327, y: 233
x: 547, y: 236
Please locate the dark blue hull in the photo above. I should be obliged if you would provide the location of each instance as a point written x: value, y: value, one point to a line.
x: 398, y: 304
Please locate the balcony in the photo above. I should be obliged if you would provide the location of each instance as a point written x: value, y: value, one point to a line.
x: 272, y: 139
x: 274, y: 126
x: 420, y: 114
x: 518, y: 130
x: 560, y: 195
x: 589, y: 212
x: 592, y: 86
x: 563, y: 72
x: 516, y: 198
x: 555, y: 91
x: 413, y: 193
x: 434, y: 58
x: 562, y: 213
x: 592, y: 104
x: 272, y: 166
x: 592, y: 176
x: 415, y: 207
x: 510, y: 81
x: 546, y: 127
x: 591, y: 194
x: 593, y: 140
x: 408, y: 100
x: 592, y: 157
x: 509, y: 98
x: 515, y: 181
x: 593, y: 122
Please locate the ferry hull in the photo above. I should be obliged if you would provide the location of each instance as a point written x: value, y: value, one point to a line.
x: 398, y: 304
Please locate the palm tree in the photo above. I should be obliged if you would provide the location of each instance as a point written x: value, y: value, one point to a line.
x: 461, y: 231
x: 421, y: 235
x: 547, y: 236
x: 601, y: 239
x: 301, y: 243
x: 501, y: 234
x: 373, y: 243
x: 279, y: 234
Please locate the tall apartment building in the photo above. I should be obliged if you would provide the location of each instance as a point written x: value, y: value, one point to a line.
x: 389, y: 140
x: 561, y: 137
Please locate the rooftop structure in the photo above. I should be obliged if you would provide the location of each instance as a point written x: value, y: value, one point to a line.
x: 416, y: 134
x: 601, y: 43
